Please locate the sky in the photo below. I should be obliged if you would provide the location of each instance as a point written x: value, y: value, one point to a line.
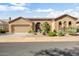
x: 38, y: 10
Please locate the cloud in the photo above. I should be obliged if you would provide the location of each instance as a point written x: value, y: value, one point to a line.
x: 3, y: 8
x: 17, y: 8
x: 72, y: 12
x: 56, y: 13
x: 44, y: 10
x: 13, y: 7
x: 48, y: 12
x: 18, y: 4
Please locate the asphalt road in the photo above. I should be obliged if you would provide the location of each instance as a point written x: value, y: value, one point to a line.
x: 27, y: 49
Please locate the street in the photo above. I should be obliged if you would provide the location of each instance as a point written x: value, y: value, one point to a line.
x: 27, y: 48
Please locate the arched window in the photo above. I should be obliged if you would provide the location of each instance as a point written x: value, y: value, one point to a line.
x: 60, y: 25
x: 70, y: 23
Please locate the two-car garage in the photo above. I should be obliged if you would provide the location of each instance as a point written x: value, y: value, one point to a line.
x: 20, y: 28
x: 19, y: 25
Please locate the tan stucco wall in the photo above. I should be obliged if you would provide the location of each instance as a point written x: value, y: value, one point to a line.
x: 67, y: 19
x: 53, y: 25
x: 19, y: 22
x: 77, y: 25
x: 42, y: 21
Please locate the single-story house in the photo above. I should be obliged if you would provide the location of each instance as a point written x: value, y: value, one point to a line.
x: 22, y: 25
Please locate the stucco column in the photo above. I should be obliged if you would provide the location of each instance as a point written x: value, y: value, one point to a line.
x: 53, y: 25
x: 62, y: 24
x: 10, y: 29
x: 67, y: 24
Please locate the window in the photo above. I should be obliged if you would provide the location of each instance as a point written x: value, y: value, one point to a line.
x: 60, y: 25
x: 70, y: 23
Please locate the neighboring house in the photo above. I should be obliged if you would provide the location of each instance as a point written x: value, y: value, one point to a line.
x: 3, y: 25
x: 22, y: 25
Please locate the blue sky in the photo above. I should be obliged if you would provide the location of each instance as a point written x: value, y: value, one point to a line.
x: 35, y: 10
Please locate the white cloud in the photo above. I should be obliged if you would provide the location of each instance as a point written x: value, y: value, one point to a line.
x: 15, y: 7
x: 18, y: 4
x: 44, y: 10
x: 56, y: 13
x: 72, y: 12
x: 3, y: 8
x: 50, y: 12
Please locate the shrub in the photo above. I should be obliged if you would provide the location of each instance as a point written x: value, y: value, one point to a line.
x: 44, y: 32
x: 31, y: 31
x: 2, y: 31
x: 61, y: 33
x: 72, y: 31
x: 77, y: 29
x: 45, y: 27
x: 52, y: 34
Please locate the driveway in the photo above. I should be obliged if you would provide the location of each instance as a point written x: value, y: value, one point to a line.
x: 20, y: 35
x: 16, y: 35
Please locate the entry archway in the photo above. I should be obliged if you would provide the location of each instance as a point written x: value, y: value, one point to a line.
x: 38, y: 27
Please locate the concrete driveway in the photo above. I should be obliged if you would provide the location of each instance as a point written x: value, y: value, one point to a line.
x: 16, y: 35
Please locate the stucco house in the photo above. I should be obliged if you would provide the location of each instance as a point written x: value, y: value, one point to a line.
x: 23, y: 25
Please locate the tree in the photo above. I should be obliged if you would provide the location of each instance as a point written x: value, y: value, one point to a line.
x: 45, y: 28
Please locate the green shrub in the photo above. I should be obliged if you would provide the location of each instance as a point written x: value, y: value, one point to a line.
x: 45, y: 27
x: 72, y: 31
x: 61, y: 33
x: 44, y: 32
x: 52, y: 34
x: 2, y: 31
x: 77, y: 29
x: 30, y: 31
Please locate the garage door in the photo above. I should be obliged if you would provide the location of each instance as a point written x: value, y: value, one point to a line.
x: 20, y: 29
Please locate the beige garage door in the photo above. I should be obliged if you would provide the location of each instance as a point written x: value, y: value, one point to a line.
x: 20, y: 29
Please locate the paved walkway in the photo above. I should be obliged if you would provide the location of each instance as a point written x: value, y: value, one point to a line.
x: 35, y: 38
